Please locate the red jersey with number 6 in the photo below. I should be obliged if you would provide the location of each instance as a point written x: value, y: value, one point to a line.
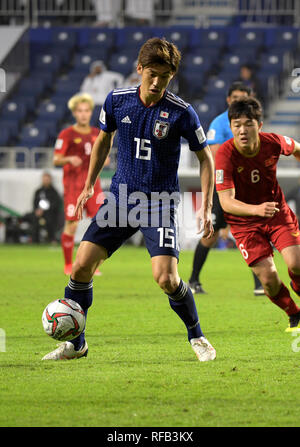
x: 69, y: 143
x: 253, y: 178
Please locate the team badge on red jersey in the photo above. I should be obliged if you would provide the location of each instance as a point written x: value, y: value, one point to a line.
x: 161, y: 129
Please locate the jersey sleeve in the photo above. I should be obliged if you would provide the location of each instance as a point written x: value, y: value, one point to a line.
x: 215, y: 134
x: 287, y: 145
x: 192, y: 130
x: 224, y: 170
x: 62, y: 143
x: 106, y: 118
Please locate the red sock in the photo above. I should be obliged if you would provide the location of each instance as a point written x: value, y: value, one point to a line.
x: 67, y: 243
x: 284, y: 301
x: 295, y: 281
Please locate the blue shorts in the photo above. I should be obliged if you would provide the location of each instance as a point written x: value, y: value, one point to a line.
x: 160, y: 239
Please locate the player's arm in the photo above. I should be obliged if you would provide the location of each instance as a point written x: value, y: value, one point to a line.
x: 214, y: 148
x: 100, y: 151
x: 207, y: 187
x: 61, y: 160
x: 296, y: 151
x: 233, y: 206
x: 60, y: 157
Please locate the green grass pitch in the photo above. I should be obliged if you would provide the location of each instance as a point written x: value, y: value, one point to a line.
x: 141, y: 371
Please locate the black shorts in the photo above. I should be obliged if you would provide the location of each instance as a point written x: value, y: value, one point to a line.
x: 159, y: 240
x: 218, y: 219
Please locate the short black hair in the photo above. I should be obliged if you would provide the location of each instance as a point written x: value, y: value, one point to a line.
x: 240, y: 86
x: 249, y: 107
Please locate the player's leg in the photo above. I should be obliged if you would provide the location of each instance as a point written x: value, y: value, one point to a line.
x: 165, y: 273
x: 67, y: 244
x: 255, y: 248
x: 80, y: 290
x: 98, y: 243
x: 276, y: 290
x: 291, y: 256
x: 202, y: 249
x: 92, y: 205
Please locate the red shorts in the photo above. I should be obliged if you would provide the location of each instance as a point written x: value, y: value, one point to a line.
x: 254, y: 242
x: 91, y: 207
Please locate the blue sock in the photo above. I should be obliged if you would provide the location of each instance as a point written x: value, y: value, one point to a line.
x: 82, y: 293
x: 183, y: 303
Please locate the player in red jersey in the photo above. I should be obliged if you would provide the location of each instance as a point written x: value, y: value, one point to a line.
x: 72, y: 151
x: 254, y: 204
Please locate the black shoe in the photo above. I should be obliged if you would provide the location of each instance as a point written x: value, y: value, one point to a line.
x: 259, y: 291
x: 294, y: 323
x: 196, y: 287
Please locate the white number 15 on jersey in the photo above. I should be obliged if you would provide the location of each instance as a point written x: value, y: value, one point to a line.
x: 143, y: 149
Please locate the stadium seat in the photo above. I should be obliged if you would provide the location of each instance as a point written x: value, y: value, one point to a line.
x: 11, y: 125
x: 82, y: 62
x: 104, y: 38
x: 131, y: 38
x: 64, y: 38
x: 31, y: 136
x: 74, y: 75
x: 206, y: 112
x: 275, y: 62
x: 4, y: 137
x: 29, y: 101
x: 196, y: 62
x: 48, y: 62
x: 67, y: 86
x: 217, y: 86
x: 209, y: 38
x: 95, y: 52
x: 285, y: 39
x: 31, y: 87
x: 121, y: 62
x: 192, y: 82
x: 180, y: 37
x: 249, y: 38
x: 51, y: 111
x: 12, y: 110
x: 46, y: 77
x: 50, y: 127
x: 231, y: 60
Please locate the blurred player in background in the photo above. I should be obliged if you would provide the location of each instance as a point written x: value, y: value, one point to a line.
x: 72, y: 151
x: 150, y: 122
x: 219, y: 132
x: 254, y: 204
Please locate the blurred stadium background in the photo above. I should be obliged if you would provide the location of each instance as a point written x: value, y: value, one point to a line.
x: 47, y: 47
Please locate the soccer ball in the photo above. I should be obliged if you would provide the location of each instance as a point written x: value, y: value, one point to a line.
x: 63, y: 319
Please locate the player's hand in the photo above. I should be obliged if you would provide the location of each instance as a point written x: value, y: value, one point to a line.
x: 224, y: 233
x: 75, y: 161
x: 81, y: 201
x: 267, y: 209
x: 204, y: 223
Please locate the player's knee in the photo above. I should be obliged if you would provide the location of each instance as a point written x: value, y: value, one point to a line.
x: 82, y: 271
x: 295, y: 268
x: 270, y: 283
x: 167, y: 282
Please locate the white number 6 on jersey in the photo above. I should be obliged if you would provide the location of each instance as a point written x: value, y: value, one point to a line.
x: 243, y: 251
x: 255, y: 176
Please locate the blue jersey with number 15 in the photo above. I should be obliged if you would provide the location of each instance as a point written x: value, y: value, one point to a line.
x: 149, y: 139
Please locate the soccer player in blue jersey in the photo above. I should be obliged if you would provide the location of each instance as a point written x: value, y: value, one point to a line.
x: 150, y: 122
x: 219, y: 131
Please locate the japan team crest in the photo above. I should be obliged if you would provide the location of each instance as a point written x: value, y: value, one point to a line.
x: 161, y: 129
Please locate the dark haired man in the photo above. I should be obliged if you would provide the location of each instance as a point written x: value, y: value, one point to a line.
x: 219, y: 132
x: 150, y: 122
x: 254, y: 204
